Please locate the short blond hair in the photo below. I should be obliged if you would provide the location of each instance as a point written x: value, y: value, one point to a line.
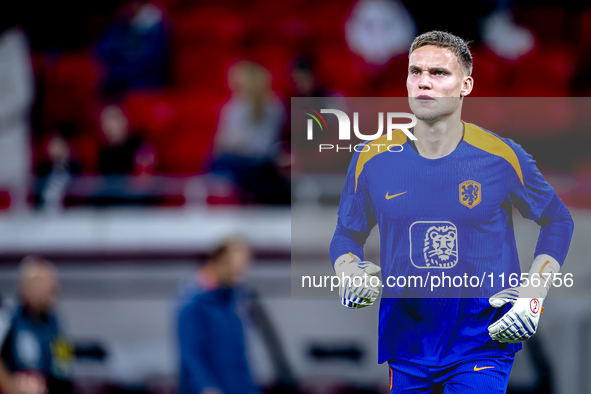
x: 442, y: 39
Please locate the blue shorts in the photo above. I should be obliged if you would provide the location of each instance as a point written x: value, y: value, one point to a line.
x: 488, y: 375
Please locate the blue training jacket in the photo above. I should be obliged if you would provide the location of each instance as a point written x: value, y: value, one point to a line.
x: 211, y: 340
x: 452, y: 216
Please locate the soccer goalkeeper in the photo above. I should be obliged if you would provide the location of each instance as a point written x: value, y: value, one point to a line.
x: 444, y: 205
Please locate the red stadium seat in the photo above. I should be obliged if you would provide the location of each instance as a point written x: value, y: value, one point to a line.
x: 547, y: 22
x: 209, y: 25
x: 345, y: 72
x: 546, y: 72
x: 154, y: 113
x: 585, y: 35
x: 490, y: 73
x: 280, y: 23
x: 70, y: 87
x: 179, y: 124
x: 86, y: 148
x: 393, y: 81
x: 328, y: 21
x: 277, y: 59
x: 203, y: 68
x: 187, y: 148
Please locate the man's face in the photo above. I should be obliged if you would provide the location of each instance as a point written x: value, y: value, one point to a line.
x: 234, y: 264
x: 114, y: 124
x: 41, y: 289
x: 436, y: 82
x: 303, y: 81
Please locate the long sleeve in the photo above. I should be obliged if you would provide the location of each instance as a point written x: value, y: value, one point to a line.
x: 356, y: 215
x: 556, y: 232
x: 536, y: 200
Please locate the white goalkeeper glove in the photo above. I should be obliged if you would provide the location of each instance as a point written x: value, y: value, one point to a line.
x: 360, y: 283
x: 521, y: 321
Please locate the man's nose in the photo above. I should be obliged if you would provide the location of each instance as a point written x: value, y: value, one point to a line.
x: 424, y: 82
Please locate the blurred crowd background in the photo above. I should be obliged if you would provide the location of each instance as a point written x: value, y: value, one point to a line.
x: 179, y: 87
x: 136, y: 135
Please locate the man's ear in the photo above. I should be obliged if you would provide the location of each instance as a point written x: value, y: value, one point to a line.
x: 467, y: 86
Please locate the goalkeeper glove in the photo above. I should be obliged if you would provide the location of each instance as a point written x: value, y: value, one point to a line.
x: 357, y: 289
x: 521, y: 321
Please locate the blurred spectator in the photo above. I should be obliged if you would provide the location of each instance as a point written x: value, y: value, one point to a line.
x: 504, y: 37
x: 210, y: 332
x: 248, y: 138
x: 118, y: 154
x: 378, y: 30
x: 135, y: 48
x: 7, y: 383
x: 305, y: 82
x: 16, y: 97
x: 34, y: 350
x: 56, y: 172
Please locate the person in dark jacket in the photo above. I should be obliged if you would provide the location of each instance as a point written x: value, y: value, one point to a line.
x: 117, y: 155
x: 212, y: 349
x: 34, y: 350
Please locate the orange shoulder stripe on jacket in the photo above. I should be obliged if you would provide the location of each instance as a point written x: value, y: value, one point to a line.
x: 398, y: 138
x: 492, y: 144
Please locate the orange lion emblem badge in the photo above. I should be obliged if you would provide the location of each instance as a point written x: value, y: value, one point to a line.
x: 470, y: 193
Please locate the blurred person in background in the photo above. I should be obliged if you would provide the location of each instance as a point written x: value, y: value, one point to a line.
x: 247, y: 143
x: 117, y: 155
x: 304, y: 81
x: 56, y: 172
x: 8, y: 384
x: 379, y: 30
x: 210, y: 332
x: 34, y: 350
x: 507, y: 39
x: 16, y: 97
x: 135, y: 48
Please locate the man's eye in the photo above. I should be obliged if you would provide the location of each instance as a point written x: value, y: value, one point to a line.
x: 439, y: 73
x: 415, y: 72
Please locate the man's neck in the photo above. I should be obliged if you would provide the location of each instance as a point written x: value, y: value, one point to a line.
x: 439, y: 138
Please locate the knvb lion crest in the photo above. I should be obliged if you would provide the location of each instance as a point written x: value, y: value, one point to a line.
x: 470, y: 193
x: 435, y: 244
x: 440, y: 248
